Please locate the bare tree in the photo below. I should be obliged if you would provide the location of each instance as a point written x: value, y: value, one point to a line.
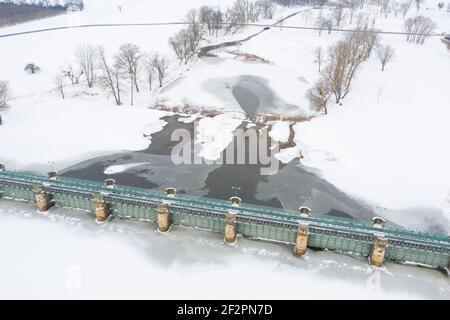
x: 110, y: 75
x: 353, y: 7
x: 369, y: 38
x: 319, y: 96
x: 180, y: 44
x: 212, y: 18
x: 319, y: 22
x: 404, y: 7
x: 345, y: 58
x: 186, y: 42
x: 86, y: 55
x: 386, y: 54
x: 72, y: 75
x: 318, y: 57
x: 59, y: 83
x: 323, y: 23
x: 419, y: 28
x: 267, y: 8
x: 418, y: 3
x: 160, y: 64
x: 150, y: 75
x: 306, y: 16
x: 338, y: 15
x: 328, y: 23
x: 128, y: 60
x: 4, y: 94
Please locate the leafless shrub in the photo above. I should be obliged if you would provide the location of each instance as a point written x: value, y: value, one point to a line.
x: 319, y: 96
x: 59, y: 83
x: 385, y: 54
x: 73, y: 75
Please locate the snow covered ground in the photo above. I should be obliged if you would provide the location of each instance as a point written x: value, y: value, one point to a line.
x: 65, y: 254
x: 41, y: 128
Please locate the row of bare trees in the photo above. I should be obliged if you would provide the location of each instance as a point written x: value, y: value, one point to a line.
x: 212, y: 20
x: 419, y: 28
x: 95, y: 66
x: 344, y: 60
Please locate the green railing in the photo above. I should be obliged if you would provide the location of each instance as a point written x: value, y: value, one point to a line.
x: 334, y: 233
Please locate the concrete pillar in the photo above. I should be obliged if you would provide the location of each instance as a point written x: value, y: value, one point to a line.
x: 42, y: 201
x: 110, y: 183
x: 380, y: 244
x: 230, y: 228
x: 52, y: 175
x: 164, y: 221
x: 301, y: 241
x: 101, y: 210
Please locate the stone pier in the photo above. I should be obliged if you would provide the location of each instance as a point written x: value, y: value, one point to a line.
x: 43, y: 200
x: 230, y: 228
x: 301, y: 240
x: 164, y: 221
x: 380, y: 244
x: 101, y: 210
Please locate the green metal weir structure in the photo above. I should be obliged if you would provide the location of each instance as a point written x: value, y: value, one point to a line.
x: 257, y: 222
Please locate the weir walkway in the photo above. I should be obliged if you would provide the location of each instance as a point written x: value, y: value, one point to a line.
x: 302, y: 229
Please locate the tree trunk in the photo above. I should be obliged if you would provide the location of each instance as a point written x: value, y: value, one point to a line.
x: 132, y: 92
x: 135, y: 83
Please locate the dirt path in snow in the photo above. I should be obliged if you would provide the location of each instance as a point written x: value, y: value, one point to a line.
x: 205, y: 50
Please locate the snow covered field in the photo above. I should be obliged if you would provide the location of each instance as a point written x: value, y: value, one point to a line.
x: 87, y: 122
x: 67, y: 255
